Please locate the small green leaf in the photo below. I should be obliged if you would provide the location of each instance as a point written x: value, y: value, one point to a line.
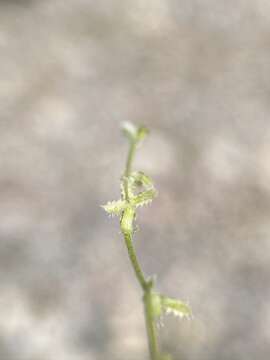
x: 115, y: 207
x: 142, y: 132
x: 161, y: 304
x: 176, y: 307
x: 144, y: 198
x: 141, y: 179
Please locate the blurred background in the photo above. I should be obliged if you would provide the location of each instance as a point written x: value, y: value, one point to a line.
x: 197, y: 74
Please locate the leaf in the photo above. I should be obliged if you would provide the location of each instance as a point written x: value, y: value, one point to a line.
x: 141, y: 179
x: 161, y: 305
x: 115, y: 207
x: 144, y: 198
x: 137, y: 180
x: 176, y: 307
x: 142, y: 132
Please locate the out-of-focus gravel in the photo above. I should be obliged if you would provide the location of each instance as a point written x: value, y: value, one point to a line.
x: 197, y: 73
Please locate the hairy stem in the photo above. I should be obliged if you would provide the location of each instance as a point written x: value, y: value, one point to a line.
x: 130, y: 158
x: 150, y: 326
x: 134, y: 262
x: 137, y: 189
x: 145, y: 285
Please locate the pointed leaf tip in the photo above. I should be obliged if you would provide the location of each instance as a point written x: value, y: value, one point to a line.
x: 114, y: 207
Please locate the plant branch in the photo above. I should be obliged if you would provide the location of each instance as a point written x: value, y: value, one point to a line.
x: 134, y: 261
x: 150, y: 326
x: 131, y: 153
x: 137, y: 189
x: 145, y: 285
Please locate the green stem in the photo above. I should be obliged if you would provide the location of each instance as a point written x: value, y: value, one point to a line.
x: 130, y: 158
x: 150, y: 326
x: 134, y: 262
x: 145, y: 285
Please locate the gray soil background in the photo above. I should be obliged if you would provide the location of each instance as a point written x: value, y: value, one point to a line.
x: 197, y: 73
